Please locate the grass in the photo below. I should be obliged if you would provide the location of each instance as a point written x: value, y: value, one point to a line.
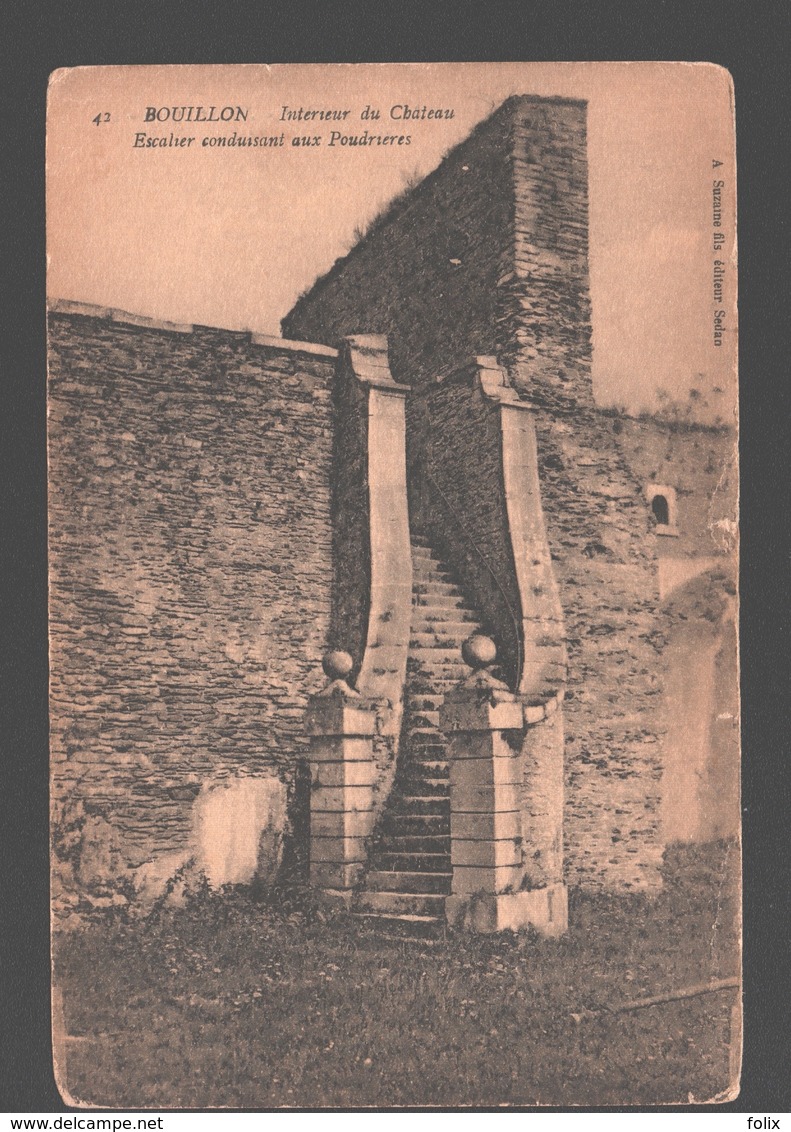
x: 232, y: 1003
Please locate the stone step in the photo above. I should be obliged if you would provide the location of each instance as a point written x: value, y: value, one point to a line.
x: 430, y: 769
x: 407, y: 927
x: 442, y: 663
x: 420, y: 754
x: 419, y: 726
x: 435, y: 765
x: 424, y: 701
x: 399, y: 824
x: 438, y: 638
x: 401, y: 903
x: 434, y: 588
x: 418, y: 843
x: 435, y: 603
x: 395, y: 860
x: 424, y: 717
x: 420, y: 764
x: 446, y: 674
x: 423, y: 782
x: 428, y: 565
x: 437, y: 583
x: 434, y: 650
x: 418, y: 804
x: 387, y: 880
x: 424, y: 554
x: 431, y: 755
x: 433, y: 653
x: 438, y: 682
x: 420, y: 736
x: 419, y: 784
x: 423, y: 749
x: 423, y: 682
x: 411, y: 875
x: 453, y: 626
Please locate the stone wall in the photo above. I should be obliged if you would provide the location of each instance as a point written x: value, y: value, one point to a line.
x: 603, y: 549
x: 190, y: 553
x: 697, y: 575
x: 439, y: 251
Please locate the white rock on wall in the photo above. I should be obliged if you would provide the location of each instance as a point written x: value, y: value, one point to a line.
x: 239, y: 825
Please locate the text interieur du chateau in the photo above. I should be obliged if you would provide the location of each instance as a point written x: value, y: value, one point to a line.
x: 328, y: 126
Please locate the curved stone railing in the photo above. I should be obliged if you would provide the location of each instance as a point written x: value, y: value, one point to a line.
x: 372, y: 553
x: 475, y: 439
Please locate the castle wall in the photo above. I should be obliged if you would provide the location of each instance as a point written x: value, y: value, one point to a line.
x: 604, y: 554
x: 697, y: 579
x: 191, y: 566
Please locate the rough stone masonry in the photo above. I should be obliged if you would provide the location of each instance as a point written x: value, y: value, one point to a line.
x: 191, y: 567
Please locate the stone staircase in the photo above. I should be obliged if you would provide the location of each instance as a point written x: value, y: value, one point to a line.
x: 410, y: 872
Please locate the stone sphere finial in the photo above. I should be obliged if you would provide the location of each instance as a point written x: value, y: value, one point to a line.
x: 479, y: 651
x: 337, y: 664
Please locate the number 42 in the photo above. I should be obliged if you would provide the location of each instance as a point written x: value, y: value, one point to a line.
x: 104, y: 117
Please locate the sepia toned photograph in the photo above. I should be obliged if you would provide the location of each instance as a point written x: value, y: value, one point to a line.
x: 393, y: 591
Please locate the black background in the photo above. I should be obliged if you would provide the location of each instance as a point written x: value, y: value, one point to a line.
x: 750, y: 39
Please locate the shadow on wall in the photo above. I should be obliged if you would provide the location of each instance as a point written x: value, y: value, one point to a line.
x: 700, y: 784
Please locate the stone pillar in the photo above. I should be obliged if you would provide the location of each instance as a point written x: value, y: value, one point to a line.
x: 342, y: 778
x: 485, y: 725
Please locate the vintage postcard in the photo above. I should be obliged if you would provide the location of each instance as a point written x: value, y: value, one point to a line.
x: 393, y: 505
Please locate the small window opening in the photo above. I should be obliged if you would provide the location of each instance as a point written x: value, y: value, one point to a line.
x: 662, y: 501
x: 661, y: 511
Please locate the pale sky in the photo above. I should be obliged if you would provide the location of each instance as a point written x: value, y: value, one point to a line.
x: 229, y: 237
